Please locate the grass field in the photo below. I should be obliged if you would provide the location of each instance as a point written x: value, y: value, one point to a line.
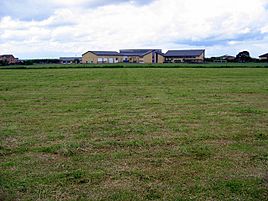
x: 129, y: 65
x: 134, y: 134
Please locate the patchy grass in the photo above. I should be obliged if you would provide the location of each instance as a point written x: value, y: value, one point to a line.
x: 134, y: 134
x: 135, y: 65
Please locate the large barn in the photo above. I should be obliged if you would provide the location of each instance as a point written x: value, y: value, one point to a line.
x: 180, y: 56
x: 101, y: 57
x: 146, y: 56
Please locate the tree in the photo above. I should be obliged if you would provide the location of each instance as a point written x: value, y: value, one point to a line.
x: 28, y: 62
x: 3, y: 63
x: 243, y: 57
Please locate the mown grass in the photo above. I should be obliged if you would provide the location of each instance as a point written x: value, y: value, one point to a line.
x: 134, y: 134
x: 129, y: 65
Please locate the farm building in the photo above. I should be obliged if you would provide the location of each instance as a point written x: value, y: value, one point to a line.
x: 222, y: 59
x: 179, y: 56
x: 264, y: 57
x: 147, y: 56
x: 127, y: 56
x: 101, y: 57
x: 70, y: 60
x: 8, y: 59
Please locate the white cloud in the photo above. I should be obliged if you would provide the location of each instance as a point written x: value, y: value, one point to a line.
x: 219, y: 26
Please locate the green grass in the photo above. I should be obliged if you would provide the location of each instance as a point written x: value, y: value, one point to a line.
x: 134, y: 134
x: 129, y: 65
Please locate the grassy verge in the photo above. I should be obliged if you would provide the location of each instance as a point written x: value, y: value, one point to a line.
x: 134, y: 134
x: 125, y: 65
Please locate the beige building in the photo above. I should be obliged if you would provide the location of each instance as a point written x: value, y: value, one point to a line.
x: 146, y: 56
x: 180, y: 56
x: 101, y: 57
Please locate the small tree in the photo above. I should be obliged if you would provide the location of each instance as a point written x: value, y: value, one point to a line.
x: 28, y: 62
x: 243, y: 57
x: 3, y: 63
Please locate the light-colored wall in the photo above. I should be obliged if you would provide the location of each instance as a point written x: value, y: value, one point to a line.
x: 133, y: 59
x: 147, y: 59
x: 161, y: 59
x: 263, y: 58
x: 89, y: 57
x: 200, y: 58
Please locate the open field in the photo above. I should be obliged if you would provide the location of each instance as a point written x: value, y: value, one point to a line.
x: 128, y: 65
x: 134, y: 134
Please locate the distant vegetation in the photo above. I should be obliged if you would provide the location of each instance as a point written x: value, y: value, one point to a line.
x: 241, y: 57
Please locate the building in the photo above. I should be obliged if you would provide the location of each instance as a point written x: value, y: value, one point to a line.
x: 148, y: 56
x: 8, y: 59
x: 228, y: 58
x: 145, y: 56
x: 180, y: 56
x: 222, y: 59
x: 101, y: 57
x: 264, y: 57
x: 70, y: 60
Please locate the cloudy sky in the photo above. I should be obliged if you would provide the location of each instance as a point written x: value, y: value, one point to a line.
x: 53, y: 28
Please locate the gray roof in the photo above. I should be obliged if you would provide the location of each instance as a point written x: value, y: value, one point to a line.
x: 7, y: 55
x: 138, y: 52
x: 70, y: 58
x: 184, y: 53
x: 264, y: 55
x: 104, y: 53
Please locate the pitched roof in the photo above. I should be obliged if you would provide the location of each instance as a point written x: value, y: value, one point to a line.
x: 138, y: 52
x: 184, y: 53
x: 7, y: 56
x: 70, y: 58
x: 264, y: 55
x: 104, y: 53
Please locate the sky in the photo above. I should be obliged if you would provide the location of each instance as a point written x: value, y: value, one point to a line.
x: 54, y: 28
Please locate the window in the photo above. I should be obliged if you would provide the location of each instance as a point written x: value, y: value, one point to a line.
x: 99, y: 60
x: 111, y: 60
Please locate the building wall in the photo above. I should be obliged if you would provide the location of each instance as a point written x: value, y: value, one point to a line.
x: 132, y: 59
x: 89, y: 58
x: 200, y: 59
x: 161, y: 59
x: 147, y: 59
x: 92, y: 58
x: 263, y: 58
